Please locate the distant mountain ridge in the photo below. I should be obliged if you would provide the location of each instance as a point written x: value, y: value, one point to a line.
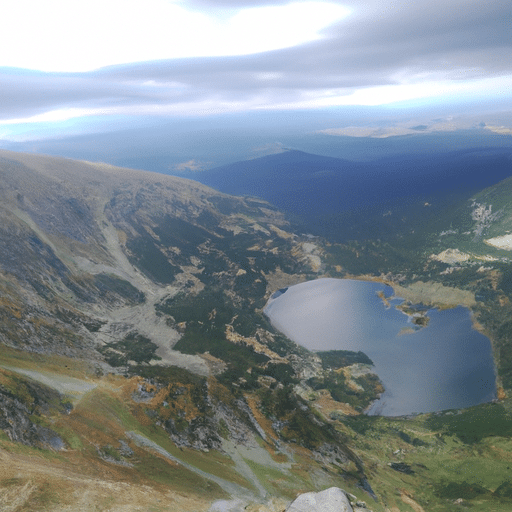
x: 164, y: 147
x: 329, y: 194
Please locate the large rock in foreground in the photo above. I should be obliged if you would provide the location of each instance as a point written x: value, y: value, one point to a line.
x: 330, y: 500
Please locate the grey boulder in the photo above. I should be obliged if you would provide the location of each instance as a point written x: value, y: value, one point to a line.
x: 330, y: 500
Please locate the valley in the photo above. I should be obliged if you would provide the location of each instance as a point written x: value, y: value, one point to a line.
x: 138, y: 371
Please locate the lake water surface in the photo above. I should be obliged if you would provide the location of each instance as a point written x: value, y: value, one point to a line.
x: 445, y: 365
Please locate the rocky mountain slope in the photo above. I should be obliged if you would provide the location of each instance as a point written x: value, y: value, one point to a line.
x: 137, y: 371
x: 133, y: 341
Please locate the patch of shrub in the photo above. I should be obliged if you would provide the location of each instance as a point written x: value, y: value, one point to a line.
x: 283, y: 373
x: 339, y: 358
x: 134, y: 347
x: 504, y: 490
x: 166, y: 374
x: 362, y: 424
x: 144, y: 253
x: 504, y: 339
x: 109, y: 283
x: 473, y: 424
x: 464, y: 490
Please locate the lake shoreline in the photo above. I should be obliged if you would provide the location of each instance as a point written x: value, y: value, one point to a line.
x: 408, y: 353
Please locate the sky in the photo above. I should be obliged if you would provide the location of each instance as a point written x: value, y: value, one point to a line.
x: 97, y: 65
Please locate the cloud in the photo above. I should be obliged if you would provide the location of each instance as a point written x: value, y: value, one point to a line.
x: 381, y: 53
x: 109, y: 32
x: 233, y: 4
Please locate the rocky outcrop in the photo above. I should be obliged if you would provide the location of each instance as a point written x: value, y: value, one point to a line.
x: 15, y: 421
x: 330, y: 500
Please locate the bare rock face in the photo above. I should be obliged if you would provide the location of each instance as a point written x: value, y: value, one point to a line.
x: 330, y: 500
x: 16, y: 422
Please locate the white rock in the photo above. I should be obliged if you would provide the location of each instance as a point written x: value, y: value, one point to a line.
x: 330, y: 500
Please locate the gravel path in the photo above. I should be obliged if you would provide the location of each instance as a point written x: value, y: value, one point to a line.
x: 230, y: 487
x: 69, y: 386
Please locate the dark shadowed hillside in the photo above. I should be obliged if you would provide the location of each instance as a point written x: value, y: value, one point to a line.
x: 344, y: 200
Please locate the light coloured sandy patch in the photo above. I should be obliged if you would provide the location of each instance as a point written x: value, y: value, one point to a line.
x: 409, y: 501
x: 451, y: 256
x: 501, y: 242
x: 308, y: 247
x: 258, y: 227
x: 357, y: 370
x: 315, y: 262
x: 13, y: 498
x: 215, y: 364
x: 234, y: 228
x: 281, y: 233
x: 308, y: 252
x: 279, y: 279
x: 238, y: 339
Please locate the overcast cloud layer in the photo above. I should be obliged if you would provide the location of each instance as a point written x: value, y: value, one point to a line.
x: 383, y: 52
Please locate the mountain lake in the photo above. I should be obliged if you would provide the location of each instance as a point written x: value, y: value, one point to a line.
x: 444, y: 365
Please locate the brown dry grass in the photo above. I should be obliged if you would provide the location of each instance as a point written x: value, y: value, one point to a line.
x: 31, y: 483
x: 407, y: 499
x: 80, y: 479
x: 326, y: 404
x: 262, y: 420
x: 51, y: 363
x: 435, y: 294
